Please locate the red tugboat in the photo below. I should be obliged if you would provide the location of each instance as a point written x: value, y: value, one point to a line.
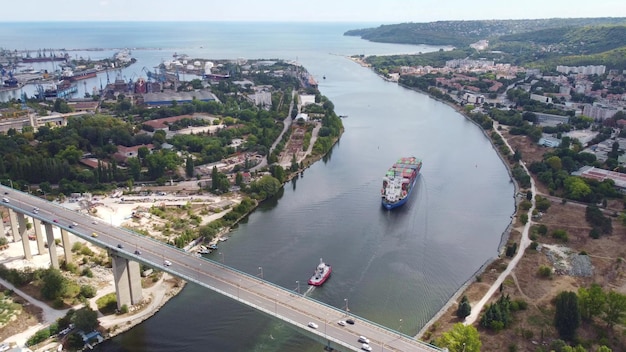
x: 322, y: 272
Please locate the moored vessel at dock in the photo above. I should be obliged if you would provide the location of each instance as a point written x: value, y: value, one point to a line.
x: 322, y: 272
x: 399, y: 181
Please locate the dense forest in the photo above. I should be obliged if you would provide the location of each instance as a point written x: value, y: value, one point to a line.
x: 463, y: 33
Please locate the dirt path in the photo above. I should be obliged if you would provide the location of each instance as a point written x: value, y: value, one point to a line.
x: 524, y: 243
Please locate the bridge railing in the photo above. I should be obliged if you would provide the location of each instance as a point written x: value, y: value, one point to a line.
x: 251, y: 277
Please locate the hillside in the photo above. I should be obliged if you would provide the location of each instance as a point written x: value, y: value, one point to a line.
x: 462, y: 33
x: 543, y: 48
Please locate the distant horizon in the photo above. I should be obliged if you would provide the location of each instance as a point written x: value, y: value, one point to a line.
x: 297, y: 21
x: 344, y: 11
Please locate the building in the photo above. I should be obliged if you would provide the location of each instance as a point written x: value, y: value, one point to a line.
x: 306, y: 99
x: 166, y: 98
x: 473, y: 98
x: 123, y: 152
x: 549, y: 142
x: 599, y: 111
x: 585, y: 70
x: 541, y: 98
x: 594, y: 173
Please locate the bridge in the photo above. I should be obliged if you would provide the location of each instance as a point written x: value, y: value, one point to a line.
x: 128, y: 249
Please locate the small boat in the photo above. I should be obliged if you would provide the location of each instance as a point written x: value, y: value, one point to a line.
x: 322, y: 272
x: 204, y: 250
x: 212, y: 246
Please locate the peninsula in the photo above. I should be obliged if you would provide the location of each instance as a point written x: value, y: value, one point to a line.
x: 218, y: 145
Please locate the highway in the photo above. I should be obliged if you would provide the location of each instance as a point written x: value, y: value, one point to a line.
x: 251, y: 290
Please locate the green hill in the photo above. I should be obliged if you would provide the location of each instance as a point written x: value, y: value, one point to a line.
x: 462, y: 33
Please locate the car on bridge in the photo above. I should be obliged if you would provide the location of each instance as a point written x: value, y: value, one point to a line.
x: 167, y: 263
x: 93, y: 234
x: 119, y: 245
x: 138, y: 252
x: 6, y: 200
x: 364, y: 339
x: 366, y: 347
x: 341, y: 322
x: 312, y: 325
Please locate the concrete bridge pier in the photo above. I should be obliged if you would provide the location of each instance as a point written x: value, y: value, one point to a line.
x: 41, y: 248
x: 13, y: 223
x: 67, y: 246
x: 2, y: 230
x: 52, y: 247
x: 127, y: 278
x: 21, y: 220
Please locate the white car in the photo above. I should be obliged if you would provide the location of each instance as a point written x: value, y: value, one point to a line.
x: 341, y: 322
x: 5, y: 200
x: 313, y: 325
x: 364, y: 339
x: 167, y: 263
x: 366, y: 347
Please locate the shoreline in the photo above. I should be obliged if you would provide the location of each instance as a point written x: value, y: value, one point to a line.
x: 505, y: 234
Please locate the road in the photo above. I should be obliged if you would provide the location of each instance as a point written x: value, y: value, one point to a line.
x: 286, y: 124
x: 251, y: 290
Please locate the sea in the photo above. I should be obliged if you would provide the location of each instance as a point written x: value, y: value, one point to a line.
x: 397, y: 268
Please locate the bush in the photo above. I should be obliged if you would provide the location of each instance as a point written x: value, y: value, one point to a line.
x: 87, y: 272
x: 39, y: 336
x: 545, y: 271
x: 88, y: 291
x: 560, y: 235
x: 523, y: 218
x: 534, y: 245
x: 107, y: 304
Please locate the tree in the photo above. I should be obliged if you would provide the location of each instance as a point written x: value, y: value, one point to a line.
x: 85, y: 319
x: 567, y: 315
x: 604, y: 349
x: 54, y: 284
x: 461, y: 338
x: 464, y: 309
x: 189, y: 166
x: 614, y: 309
x: 591, y: 301
x: 214, y: 178
x: 239, y: 179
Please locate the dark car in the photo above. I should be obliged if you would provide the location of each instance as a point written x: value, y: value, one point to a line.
x: 350, y: 321
x: 55, y: 220
x: 119, y: 245
x: 138, y: 252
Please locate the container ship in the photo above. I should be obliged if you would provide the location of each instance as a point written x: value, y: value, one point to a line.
x: 399, y: 181
x: 322, y: 272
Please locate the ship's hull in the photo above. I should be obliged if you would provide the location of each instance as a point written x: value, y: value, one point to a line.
x: 399, y: 182
x: 401, y: 202
x: 320, y: 282
x: 79, y: 77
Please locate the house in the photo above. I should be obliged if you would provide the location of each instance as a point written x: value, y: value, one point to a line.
x: 123, y: 152
x: 473, y: 98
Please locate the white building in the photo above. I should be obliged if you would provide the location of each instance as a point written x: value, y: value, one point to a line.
x: 586, y: 70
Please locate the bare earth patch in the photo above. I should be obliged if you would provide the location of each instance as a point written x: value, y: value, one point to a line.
x: 533, y: 327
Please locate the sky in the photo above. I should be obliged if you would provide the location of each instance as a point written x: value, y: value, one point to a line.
x: 377, y: 11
